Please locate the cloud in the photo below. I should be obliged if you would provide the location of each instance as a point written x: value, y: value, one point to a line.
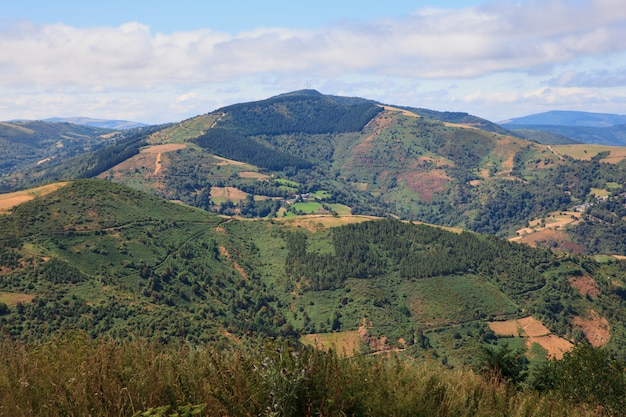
x: 599, y: 78
x: 431, y: 43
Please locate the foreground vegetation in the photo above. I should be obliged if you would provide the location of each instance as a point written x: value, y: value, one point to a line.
x: 77, y: 376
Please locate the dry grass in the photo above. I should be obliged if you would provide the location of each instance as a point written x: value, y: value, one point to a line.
x: 346, y: 343
x: 10, y: 200
x: 13, y: 298
x: 586, y: 152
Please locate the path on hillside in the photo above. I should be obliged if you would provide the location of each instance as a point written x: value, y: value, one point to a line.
x: 554, y: 152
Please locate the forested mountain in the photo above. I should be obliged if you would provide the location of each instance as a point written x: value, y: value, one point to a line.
x: 305, y: 152
x: 568, y: 118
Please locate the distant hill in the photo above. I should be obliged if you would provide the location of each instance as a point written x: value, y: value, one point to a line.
x: 568, y: 118
x: 105, y: 124
x: 582, y: 127
x: 31, y: 143
x: 610, y: 136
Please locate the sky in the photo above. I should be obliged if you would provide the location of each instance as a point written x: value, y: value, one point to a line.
x: 165, y: 61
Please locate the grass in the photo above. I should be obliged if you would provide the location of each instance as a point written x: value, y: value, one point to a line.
x: 11, y: 299
x: 75, y: 375
x: 311, y: 207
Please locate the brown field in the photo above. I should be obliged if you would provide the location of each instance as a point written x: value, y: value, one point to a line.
x: 10, y: 200
x: 254, y: 175
x: 405, y: 112
x: 224, y: 161
x: 586, y: 152
x: 347, y: 342
x: 534, y: 332
x: 13, y: 298
x: 552, y: 230
x: 554, y: 345
x: 595, y: 328
x: 316, y: 222
x: 426, y: 184
x: 231, y: 193
x: 168, y: 147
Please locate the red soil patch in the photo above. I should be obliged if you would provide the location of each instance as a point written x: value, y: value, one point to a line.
x: 585, y: 286
x: 426, y: 184
x: 595, y: 328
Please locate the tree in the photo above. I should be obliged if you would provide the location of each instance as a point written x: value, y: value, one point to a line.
x: 586, y: 375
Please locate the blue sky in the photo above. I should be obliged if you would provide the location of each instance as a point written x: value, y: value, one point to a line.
x: 163, y: 61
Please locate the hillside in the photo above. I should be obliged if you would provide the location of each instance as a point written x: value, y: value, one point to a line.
x: 308, y: 153
x: 104, y: 258
x: 28, y: 144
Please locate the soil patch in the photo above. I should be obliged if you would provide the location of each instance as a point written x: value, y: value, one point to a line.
x: 585, y: 286
x: 595, y: 328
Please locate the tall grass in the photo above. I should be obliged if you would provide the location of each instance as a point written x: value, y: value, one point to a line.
x: 77, y: 376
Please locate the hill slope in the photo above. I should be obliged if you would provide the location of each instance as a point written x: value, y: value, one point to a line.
x: 305, y: 152
x: 101, y: 257
x: 27, y: 144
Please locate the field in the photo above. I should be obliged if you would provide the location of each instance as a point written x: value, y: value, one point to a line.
x: 10, y: 200
x: 534, y: 332
x: 586, y: 152
x: 346, y: 343
x: 11, y: 299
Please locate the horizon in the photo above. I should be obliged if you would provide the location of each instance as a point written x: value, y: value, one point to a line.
x: 157, y: 62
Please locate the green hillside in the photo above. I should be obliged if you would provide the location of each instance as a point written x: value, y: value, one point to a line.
x: 27, y: 144
x: 305, y: 152
x: 110, y: 260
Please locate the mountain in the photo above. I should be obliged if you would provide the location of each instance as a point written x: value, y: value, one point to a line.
x: 308, y: 153
x: 105, y: 124
x: 583, y: 127
x: 568, y: 118
x: 609, y: 136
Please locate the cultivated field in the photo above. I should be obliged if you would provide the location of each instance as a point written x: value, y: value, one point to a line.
x: 534, y: 332
x: 347, y: 343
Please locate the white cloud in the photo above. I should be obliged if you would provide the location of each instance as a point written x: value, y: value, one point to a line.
x: 533, y: 36
x: 500, y: 36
